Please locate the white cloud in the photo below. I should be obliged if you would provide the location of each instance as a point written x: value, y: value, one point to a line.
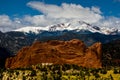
x: 68, y: 11
x: 111, y: 22
x: 96, y: 10
x: 5, y: 21
x: 37, y: 20
x: 42, y: 20
x: 6, y: 24
x: 54, y: 14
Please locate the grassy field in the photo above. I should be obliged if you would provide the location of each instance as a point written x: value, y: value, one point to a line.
x: 60, y: 72
x: 108, y: 76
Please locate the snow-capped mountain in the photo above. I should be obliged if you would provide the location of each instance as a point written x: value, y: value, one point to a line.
x: 31, y: 29
x: 73, y: 25
x: 65, y: 31
x: 80, y: 25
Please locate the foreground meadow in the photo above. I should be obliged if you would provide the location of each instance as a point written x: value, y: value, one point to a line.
x: 60, y: 72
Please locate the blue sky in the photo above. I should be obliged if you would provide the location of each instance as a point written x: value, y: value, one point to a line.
x: 18, y: 7
x: 20, y: 13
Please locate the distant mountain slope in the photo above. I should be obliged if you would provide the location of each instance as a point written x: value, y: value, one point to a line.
x: 88, y: 38
x: 74, y: 29
x: 13, y: 41
x: 19, y: 39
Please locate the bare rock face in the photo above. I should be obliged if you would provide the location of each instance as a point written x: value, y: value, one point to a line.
x: 93, y: 56
x: 57, y: 52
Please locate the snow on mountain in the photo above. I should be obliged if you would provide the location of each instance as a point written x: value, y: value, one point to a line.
x: 73, y: 25
x: 80, y: 25
x: 31, y: 29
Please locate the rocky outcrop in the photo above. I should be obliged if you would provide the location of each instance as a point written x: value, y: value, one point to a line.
x: 57, y: 52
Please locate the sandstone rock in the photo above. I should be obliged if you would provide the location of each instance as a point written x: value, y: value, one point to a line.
x: 57, y: 52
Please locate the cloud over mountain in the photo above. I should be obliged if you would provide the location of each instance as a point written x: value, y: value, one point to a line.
x: 6, y: 24
x: 67, y: 11
x: 54, y: 14
x: 111, y: 22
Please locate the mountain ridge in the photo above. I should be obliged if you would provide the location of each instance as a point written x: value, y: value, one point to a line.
x: 74, y: 25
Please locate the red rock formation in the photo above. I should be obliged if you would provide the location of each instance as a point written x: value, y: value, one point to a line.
x: 57, y: 52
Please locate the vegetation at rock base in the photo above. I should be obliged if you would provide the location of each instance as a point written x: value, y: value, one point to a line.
x: 60, y: 72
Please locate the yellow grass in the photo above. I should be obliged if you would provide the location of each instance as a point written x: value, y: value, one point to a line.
x: 115, y: 76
